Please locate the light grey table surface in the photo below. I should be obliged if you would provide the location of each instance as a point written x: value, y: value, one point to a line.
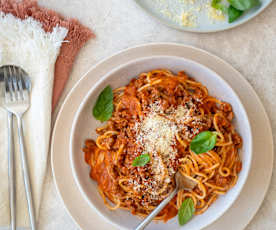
x: 119, y: 24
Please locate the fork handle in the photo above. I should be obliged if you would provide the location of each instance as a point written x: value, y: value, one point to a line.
x: 11, y: 171
x: 26, y: 176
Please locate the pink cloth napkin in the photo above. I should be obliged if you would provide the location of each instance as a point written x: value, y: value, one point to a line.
x: 77, y: 36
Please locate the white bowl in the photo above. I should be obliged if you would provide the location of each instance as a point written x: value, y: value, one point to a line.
x: 84, y: 126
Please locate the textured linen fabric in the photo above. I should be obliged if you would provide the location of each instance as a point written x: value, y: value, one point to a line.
x: 76, y: 37
x: 26, y: 44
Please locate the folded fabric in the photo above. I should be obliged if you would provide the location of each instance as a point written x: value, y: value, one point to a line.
x: 76, y: 37
x: 45, y: 45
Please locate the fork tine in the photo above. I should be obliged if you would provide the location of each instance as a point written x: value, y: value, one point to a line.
x: 14, y: 82
x: 24, y: 85
x: 20, y: 82
x: 7, y: 92
x: 10, y: 85
x: 5, y: 79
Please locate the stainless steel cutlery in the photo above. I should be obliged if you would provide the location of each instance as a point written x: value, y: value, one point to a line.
x: 16, y: 101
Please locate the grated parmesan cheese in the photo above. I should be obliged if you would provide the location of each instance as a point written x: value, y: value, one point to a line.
x: 156, y: 135
x: 187, y: 13
x: 187, y: 1
x: 214, y: 14
x: 188, y: 19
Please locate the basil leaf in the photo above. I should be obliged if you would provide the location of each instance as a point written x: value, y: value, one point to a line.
x: 233, y: 14
x: 103, y: 108
x: 141, y: 160
x: 244, y: 4
x: 203, y: 142
x: 186, y: 211
x: 218, y: 6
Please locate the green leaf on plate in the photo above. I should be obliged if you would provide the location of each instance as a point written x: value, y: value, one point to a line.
x: 186, y: 211
x: 103, y: 108
x: 244, y: 4
x: 141, y: 160
x: 233, y: 14
x: 203, y: 142
x: 219, y: 6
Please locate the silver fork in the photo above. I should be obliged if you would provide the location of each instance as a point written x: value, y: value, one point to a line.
x: 4, y: 71
x: 17, y: 101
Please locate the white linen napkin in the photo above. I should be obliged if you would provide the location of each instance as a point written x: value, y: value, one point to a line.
x: 26, y: 44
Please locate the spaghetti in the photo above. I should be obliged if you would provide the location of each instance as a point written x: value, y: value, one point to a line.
x: 159, y: 113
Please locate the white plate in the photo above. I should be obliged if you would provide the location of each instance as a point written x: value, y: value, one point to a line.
x: 204, y: 24
x: 258, y: 181
x: 84, y: 126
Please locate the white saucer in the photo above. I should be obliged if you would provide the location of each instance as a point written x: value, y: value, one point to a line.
x: 247, y: 204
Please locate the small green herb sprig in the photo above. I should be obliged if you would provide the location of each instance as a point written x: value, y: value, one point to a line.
x: 203, y: 142
x: 186, y: 211
x: 236, y: 7
x: 141, y: 160
x: 103, y: 108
